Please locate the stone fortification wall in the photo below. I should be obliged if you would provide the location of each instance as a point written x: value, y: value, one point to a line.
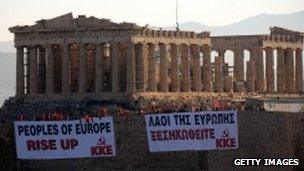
x: 261, y: 134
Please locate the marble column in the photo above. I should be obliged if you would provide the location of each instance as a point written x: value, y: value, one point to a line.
x: 98, y: 68
x: 152, y: 86
x: 50, y: 87
x: 19, y: 72
x: 207, y: 72
x: 140, y: 65
x: 66, y: 69
x: 289, y: 70
x: 145, y: 66
x: 239, y: 64
x: 115, y: 65
x: 250, y: 76
x: 163, y: 69
x: 280, y: 71
x: 41, y: 80
x: 175, y: 79
x: 82, y: 77
x: 222, y: 54
x: 253, y: 67
x: 186, y: 80
x: 239, y: 70
x: 269, y: 70
x: 259, y: 62
x: 299, y: 70
x: 130, y: 68
x: 228, y: 81
x: 33, y: 70
x: 218, y: 74
x: 196, y: 68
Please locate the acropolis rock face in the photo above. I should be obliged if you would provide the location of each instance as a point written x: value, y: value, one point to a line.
x: 68, y: 58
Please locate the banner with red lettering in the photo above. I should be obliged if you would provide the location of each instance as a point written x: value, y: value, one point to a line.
x: 208, y: 130
x: 65, y: 139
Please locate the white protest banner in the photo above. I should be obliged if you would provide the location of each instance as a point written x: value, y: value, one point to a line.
x: 208, y: 130
x: 65, y: 139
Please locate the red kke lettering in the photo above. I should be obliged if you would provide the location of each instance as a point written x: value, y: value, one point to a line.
x: 101, y: 150
x: 225, y: 143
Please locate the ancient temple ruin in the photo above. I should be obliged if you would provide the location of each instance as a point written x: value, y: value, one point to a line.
x: 289, y: 59
x: 76, y: 58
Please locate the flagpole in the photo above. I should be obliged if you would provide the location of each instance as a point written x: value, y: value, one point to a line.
x: 176, y: 16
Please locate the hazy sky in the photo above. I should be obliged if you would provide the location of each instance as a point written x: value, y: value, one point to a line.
x: 154, y: 12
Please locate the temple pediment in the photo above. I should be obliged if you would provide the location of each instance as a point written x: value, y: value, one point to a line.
x: 63, y: 21
x: 67, y: 21
x: 283, y: 31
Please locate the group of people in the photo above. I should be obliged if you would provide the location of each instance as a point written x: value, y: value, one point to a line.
x: 152, y: 107
x: 191, y: 106
x: 60, y: 115
x: 56, y: 116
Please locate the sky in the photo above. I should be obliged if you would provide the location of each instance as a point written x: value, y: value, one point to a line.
x: 154, y: 12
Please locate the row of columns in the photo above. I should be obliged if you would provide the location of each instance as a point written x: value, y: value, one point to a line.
x: 141, y: 69
x: 139, y: 76
x: 223, y: 81
x: 136, y: 77
x: 49, y: 56
x: 289, y: 76
x: 180, y: 74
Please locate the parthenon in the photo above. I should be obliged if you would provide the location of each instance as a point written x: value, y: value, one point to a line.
x: 87, y: 57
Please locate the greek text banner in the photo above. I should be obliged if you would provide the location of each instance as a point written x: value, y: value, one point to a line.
x: 208, y: 130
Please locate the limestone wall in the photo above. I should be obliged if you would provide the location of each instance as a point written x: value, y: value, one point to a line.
x: 261, y: 134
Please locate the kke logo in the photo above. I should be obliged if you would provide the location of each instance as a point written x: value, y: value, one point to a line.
x: 225, y: 133
x: 101, y: 141
x: 101, y: 149
x: 225, y: 142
